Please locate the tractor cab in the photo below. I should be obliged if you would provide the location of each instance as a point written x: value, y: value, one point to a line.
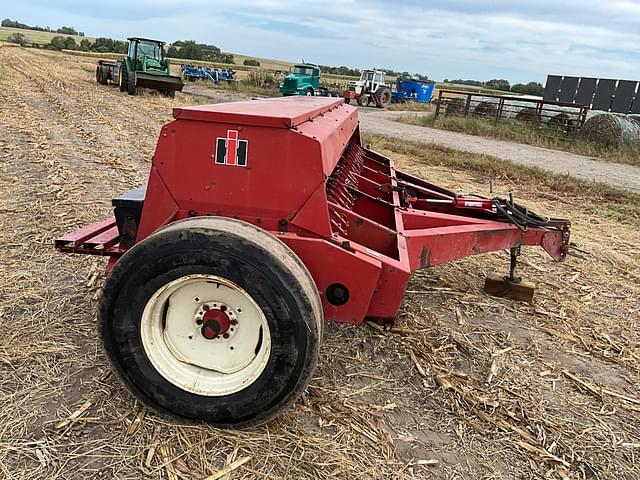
x: 370, y: 81
x: 370, y: 89
x: 145, y: 66
x: 146, y: 54
x: 304, y: 79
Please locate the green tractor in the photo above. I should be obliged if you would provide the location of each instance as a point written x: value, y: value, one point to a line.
x: 144, y: 66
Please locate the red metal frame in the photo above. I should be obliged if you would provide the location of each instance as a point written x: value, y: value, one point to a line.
x: 343, y: 209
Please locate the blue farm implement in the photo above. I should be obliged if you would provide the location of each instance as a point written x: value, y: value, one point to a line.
x: 412, y: 91
x: 193, y: 73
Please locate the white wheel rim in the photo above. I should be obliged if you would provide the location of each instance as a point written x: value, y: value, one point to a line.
x: 173, y: 339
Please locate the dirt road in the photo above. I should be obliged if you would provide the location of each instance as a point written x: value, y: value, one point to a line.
x: 467, y: 387
x: 615, y: 174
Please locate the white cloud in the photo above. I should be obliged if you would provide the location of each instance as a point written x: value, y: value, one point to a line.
x: 520, y: 41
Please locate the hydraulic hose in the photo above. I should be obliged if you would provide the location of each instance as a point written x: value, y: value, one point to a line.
x: 523, y: 217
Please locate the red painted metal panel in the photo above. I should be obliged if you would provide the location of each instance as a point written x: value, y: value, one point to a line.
x: 283, y: 112
x: 329, y: 263
x: 434, y: 246
x: 420, y: 219
x: 98, y: 238
x: 280, y: 175
x: 103, y: 240
x: 78, y: 236
x: 314, y: 215
x: 159, y: 206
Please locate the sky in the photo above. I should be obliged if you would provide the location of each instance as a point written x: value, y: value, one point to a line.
x: 520, y: 40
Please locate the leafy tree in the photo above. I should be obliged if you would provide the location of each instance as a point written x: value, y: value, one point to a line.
x: 70, y: 43
x: 191, y: 50
x: 67, y: 31
x: 498, y: 84
x: 342, y: 70
x: 85, y: 45
x: 475, y: 83
x: 172, y: 52
x: 250, y: 62
x: 57, y: 43
x: 531, y: 88
x: 18, y: 38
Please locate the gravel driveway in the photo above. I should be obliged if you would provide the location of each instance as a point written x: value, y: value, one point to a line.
x: 615, y: 174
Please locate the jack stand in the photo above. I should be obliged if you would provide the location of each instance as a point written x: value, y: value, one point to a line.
x: 514, y: 253
x: 510, y: 286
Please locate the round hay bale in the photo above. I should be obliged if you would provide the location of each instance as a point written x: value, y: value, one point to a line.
x: 455, y: 106
x: 485, y: 109
x: 611, y: 129
x: 528, y: 114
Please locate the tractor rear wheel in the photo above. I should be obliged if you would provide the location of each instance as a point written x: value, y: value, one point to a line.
x: 131, y: 83
x: 212, y: 319
x: 122, y: 78
x: 101, y: 75
x: 363, y: 100
x: 383, y: 96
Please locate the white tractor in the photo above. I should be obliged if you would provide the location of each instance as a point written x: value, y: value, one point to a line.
x: 370, y: 89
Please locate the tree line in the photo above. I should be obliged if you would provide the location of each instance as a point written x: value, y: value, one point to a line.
x: 7, y: 22
x: 99, y: 45
x: 355, y: 72
x: 531, y: 88
x: 191, y: 50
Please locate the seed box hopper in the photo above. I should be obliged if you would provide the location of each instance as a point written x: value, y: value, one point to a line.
x: 259, y: 221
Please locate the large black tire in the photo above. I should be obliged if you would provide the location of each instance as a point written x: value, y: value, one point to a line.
x: 101, y: 75
x: 267, y: 270
x: 309, y: 92
x: 122, y: 77
x: 383, y: 96
x: 363, y: 100
x: 131, y: 83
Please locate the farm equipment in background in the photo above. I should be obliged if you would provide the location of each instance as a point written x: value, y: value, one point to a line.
x: 370, y: 89
x: 259, y: 221
x: 304, y: 79
x: 193, y: 73
x: 409, y: 90
x: 144, y: 66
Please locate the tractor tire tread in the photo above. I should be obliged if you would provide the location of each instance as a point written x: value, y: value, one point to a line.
x: 131, y: 83
x: 250, y: 257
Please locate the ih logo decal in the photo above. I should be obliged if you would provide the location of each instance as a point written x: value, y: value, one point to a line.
x: 231, y: 150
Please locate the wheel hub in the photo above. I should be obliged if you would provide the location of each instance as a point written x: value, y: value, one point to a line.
x: 206, y: 334
x: 214, y: 323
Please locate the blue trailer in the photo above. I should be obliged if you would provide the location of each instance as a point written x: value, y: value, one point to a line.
x: 193, y: 73
x: 407, y: 90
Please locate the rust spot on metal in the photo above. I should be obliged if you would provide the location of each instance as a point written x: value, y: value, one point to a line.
x: 424, y: 257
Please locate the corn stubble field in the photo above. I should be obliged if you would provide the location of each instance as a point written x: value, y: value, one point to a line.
x: 466, y: 386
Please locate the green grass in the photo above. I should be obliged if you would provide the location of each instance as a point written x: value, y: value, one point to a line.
x: 601, y: 199
x: 35, y: 36
x: 522, y: 132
